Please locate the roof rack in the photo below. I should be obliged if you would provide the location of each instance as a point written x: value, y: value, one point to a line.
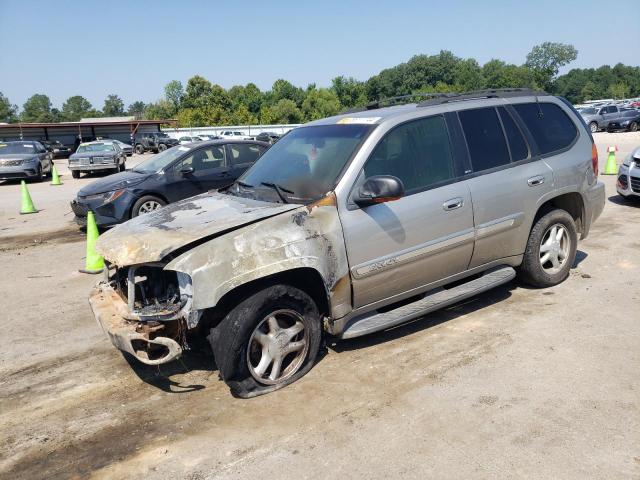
x: 489, y: 93
x: 397, y: 100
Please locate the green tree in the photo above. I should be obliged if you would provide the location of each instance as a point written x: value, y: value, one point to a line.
x: 136, y: 109
x: 350, y: 92
x: 160, y: 110
x: 284, y: 111
x: 36, y: 109
x: 8, y: 112
x: 282, y: 89
x: 174, y: 94
x: 546, y: 59
x: 113, y: 106
x: 618, y: 90
x: 197, y: 88
x: 320, y: 103
x: 75, y: 108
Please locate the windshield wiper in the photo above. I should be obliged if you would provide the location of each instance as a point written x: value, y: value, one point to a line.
x: 243, y: 184
x: 278, y: 190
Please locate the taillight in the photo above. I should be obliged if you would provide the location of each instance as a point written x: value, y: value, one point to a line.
x: 594, y: 158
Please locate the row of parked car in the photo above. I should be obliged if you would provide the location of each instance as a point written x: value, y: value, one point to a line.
x: 611, y: 117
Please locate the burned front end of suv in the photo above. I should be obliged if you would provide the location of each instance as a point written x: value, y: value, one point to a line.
x: 145, y: 310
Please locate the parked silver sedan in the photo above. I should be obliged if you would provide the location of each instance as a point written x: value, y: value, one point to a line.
x: 628, y: 183
x: 24, y: 160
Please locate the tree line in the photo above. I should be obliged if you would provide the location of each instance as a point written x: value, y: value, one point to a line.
x: 203, y: 103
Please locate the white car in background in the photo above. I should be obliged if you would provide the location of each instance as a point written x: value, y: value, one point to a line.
x: 233, y: 134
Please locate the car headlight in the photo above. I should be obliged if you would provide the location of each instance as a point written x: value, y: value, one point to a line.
x: 111, y: 196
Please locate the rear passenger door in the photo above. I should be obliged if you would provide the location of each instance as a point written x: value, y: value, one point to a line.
x: 241, y: 156
x: 506, y: 182
x: 425, y: 236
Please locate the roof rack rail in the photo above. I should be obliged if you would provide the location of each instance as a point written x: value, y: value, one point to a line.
x: 488, y: 93
x: 397, y: 100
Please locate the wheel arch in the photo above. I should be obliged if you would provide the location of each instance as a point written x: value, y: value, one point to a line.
x: 146, y: 194
x: 571, y: 202
x: 307, y: 279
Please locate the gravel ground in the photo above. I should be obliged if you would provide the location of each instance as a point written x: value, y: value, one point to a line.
x: 518, y: 382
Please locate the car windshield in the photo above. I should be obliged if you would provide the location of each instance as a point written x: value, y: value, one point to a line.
x: 95, y: 147
x: 305, y: 164
x: 161, y: 160
x: 588, y: 111
x: 16, y: 147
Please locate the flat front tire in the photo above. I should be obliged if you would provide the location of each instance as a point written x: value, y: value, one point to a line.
x: 551, y: 250
x: 268, y: 341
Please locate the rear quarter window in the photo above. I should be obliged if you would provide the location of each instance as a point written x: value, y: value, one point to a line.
x: 550, y: 126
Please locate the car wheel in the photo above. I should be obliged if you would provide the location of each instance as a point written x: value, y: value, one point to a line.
x: 269, y: 340
x: 75, y: 173
x: 122, y: 167
x: 162, y: 147
x: 593, y: 126
x: 40, y: 175
x: 146, y: 204
x: 633, y: 127
x: 139, y: 149
x: 551, y: 250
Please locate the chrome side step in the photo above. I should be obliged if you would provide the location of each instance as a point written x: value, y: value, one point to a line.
x: 374, y: 322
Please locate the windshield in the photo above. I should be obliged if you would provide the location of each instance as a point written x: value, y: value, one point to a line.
x: 161, y: 160
x: 305, y: 164
x: 588, y: 111
x: 16, y: 147
x: 95, y: 147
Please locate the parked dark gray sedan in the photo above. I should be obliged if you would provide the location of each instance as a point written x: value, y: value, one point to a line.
x: 28, y: 160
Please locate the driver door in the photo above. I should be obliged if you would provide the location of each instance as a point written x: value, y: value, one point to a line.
x: 204, y: 169
x: 425, y: 236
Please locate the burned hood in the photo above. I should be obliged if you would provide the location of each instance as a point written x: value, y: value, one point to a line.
x: 152, y: 236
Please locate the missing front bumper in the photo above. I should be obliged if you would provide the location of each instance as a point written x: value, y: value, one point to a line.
x: 111, y: 312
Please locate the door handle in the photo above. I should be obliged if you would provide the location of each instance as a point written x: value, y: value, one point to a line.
x: 535, y: 181
x: 453, y: 204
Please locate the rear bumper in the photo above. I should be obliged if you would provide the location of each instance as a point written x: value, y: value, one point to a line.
x: 594, y: 204
x: 130, y: 336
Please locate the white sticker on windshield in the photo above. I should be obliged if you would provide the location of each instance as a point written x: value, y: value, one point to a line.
x: 184, y: 149
x: 362, y: 120
x: 27, y: 145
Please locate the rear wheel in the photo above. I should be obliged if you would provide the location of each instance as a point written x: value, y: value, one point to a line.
x: 551, y: 250
x: 139, y: 149
x: 593, y: 126
x: 146, y: 204
x: 267, y: 341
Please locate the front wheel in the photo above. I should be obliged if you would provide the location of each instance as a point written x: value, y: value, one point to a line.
x: 146, y: 204
x: 75, y: 173
x: 267, y: 341
x: 633, y: 127
x: 139, y: 149
x: 162, y: 147
x: 593, y: 126
x: 551, y: 250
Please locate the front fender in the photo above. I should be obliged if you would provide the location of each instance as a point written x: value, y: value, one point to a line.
x: 307, y: 237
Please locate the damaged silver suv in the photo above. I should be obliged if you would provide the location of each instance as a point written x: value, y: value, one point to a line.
x: 354, y: 224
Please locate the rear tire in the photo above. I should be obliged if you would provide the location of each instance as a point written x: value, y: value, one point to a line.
x: 268, y: 341
x: 551, y: 250
x: 75, y: 173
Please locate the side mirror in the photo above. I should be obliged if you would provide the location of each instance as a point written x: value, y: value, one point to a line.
x: 185, y: 171
x: 379, y: 189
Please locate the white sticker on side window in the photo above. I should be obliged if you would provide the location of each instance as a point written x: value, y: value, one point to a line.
x: 184, y: 149
x: 361, y: 120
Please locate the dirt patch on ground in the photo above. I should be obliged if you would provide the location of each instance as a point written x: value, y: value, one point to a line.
x: 69, y: 234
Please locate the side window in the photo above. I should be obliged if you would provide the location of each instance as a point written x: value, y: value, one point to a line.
x: 242, y: 153
x: 417, y: 152
x: 203, y: 159
x: 549, y: 125
x: 517, y: 144
x: 485, y: 139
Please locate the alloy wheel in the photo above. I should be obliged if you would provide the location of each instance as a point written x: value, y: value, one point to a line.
x: 554, y: 248
x: 277, y: 347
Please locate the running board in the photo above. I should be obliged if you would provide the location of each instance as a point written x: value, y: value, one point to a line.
x: 374, y: 322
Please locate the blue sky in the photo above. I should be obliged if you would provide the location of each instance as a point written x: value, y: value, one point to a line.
x: 133, y: 48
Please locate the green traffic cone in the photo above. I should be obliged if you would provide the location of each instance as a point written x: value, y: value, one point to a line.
x: 611, y: 167
x: 55, y: 178
x: 27, y: 203
x: 94, y: 262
